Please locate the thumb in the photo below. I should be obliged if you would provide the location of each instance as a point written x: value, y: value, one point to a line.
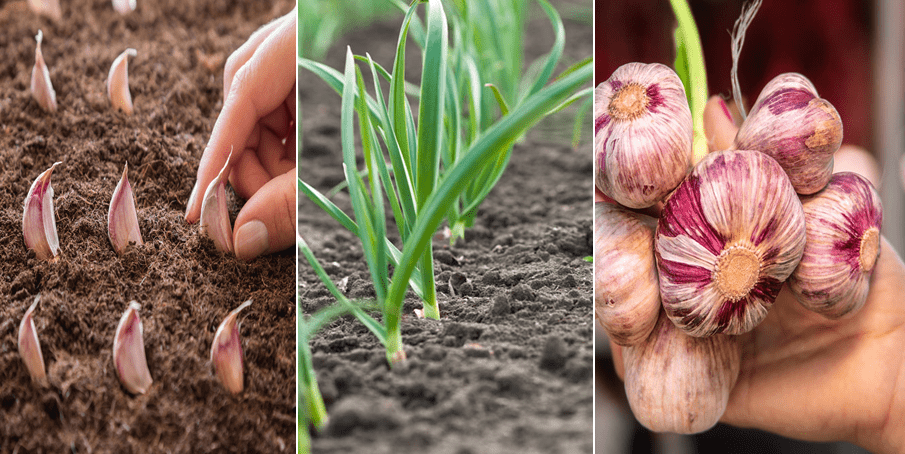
x: 267, y: 221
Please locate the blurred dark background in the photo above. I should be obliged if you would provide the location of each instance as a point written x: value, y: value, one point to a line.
x: 843, y: 47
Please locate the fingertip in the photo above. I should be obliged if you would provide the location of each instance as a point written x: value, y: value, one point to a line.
x: 193, y: 212
x: 718, y: 124
x: 266, y: 223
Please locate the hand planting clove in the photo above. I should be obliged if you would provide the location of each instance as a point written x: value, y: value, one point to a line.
x: 258, y: 123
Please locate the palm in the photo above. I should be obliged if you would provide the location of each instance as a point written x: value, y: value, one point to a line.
x: 807, y: 377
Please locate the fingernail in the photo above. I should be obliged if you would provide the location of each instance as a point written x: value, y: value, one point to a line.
x: 726, y: 110
x: 252, y: 240
x: 188, y: 206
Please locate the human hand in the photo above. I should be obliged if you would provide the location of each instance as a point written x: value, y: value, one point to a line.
x: 807, y: 377
x: 257, y: 123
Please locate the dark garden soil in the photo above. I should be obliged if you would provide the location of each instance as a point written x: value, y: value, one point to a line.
x: 185, y: 287
x: 509, y: 366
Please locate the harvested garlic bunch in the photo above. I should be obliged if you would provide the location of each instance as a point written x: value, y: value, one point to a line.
x: 796, y: 128
x: 642, y: 134
x: 129, y: 352
x: 118, y: 82
x: 227, y: 356
x: 41, y: 88
x: 39, y: 225
x: 678, y: 383
x: 30, y: 347
x: 626, y: 296
x: 728, y: 238
x: 214, y: 221
x: 122, y: 219
x: 843, y: 229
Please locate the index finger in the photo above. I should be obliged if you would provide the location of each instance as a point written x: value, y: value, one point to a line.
x: 258, y: 87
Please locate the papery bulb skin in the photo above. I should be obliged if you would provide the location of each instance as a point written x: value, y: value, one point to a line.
x: 728, y: 237
x: 642, y: 134
x: 626, y: 294
x: 843, y: 229
x: 678, y: 383
x: 798, y: 129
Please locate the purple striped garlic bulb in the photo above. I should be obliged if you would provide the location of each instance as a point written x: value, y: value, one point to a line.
x: 795, y: 127
x: 843, y: 229
x: 626, y: 296
x: 642, y: 134
x: 728, y: 237
x: 678, y: 383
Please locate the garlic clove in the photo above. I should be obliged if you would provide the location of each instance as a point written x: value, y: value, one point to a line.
x: 678, y: 383
x: 642, y: 134
x: 215, y: 222
x: 227, y: 356
x: 124, y: 6
x: 39, y: 225
x: 30, y: 347
x: 129, y: 352
x: 49, y: 8
x: 843, y: 230
x: 41, y: 88
x: 118, y: 82
x: 728, y: 237
x: 122, y: 219
x: 626, y: 294
x: 795, y: 127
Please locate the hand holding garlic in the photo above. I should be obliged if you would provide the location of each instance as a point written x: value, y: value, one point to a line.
x: 256, y: 125
x: 807, y: 376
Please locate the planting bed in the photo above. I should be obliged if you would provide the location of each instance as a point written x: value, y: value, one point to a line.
x: 185, y: 287
x: 508, y: 367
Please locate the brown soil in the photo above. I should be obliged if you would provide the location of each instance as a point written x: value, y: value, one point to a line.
x: 509, y: 366
x: 185, y: 287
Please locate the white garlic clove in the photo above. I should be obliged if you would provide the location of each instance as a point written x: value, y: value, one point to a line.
x: 728, y: 237
x: 215, y: 222
x: 122, y: 219
x: 124, y: 6
x: 626, y: 294
x: 41, y: 88
x: 642, y: 134
x: 118, y: 82
x: 30, y: 347
x: 39, y: 225
x: 678, y: 383
x: 227, y: 356
x: 48, y: 8
x: 843, y: 230
x: 795, y: 127
x: 129, y: 352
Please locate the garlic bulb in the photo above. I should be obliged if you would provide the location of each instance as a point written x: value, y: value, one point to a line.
x: 729, y: 236
x: 678, y: 383
x: 642, y: 134
x: 626, y: 295
x: 796, y: 128
x: 843, y: 229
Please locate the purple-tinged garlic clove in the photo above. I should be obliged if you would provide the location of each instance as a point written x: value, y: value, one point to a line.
x: 795, y: 127
x: 215, y: 223
x: 843, y: 230
x: 227, y: 356
x: 122, y: 219
x: 41, y: 88
x: 678, y: 383
x: 30, y: 347
x: 39, y: 225
x: 118, y: 82
x: 124, y: 6
x: 129, y: 352
x: 626, y: 294
x: 642, y: 134
x: 48, y: 8
x: 728, y: 237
